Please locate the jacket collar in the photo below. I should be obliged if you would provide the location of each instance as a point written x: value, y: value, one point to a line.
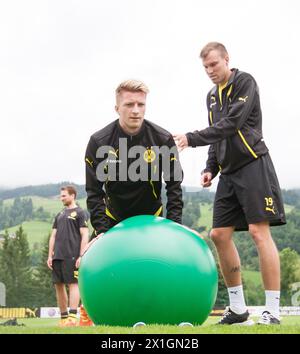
x: 214, y: 90
x: 123, y: 134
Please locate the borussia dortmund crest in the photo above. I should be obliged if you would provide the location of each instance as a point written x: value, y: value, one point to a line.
x: 149, y: 155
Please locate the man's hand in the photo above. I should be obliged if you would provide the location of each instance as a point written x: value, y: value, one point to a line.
x: 77, y: 264
x: 49, y: 263
x: 181, y: 141
x: 206, y: 178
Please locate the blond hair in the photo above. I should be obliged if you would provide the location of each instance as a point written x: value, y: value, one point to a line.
x: 213, y: 46
x: 131, y: 86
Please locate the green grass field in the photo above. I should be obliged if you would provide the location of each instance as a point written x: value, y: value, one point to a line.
x: 290, y: 324
x: 36, y: 231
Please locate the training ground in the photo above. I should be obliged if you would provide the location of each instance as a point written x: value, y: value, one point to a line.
x: 289, y: 324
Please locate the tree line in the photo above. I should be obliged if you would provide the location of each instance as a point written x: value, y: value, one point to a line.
x: 21, y: 210
x: 26, y: 286
x: 44, y: 190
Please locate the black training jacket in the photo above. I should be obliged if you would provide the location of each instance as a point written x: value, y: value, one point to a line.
x: 235, y: 131
x: 115, y: 195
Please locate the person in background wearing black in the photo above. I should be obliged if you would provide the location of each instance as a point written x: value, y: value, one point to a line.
x: 68, y: 239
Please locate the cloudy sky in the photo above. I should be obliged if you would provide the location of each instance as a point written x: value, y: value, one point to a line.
x: 61, y: 60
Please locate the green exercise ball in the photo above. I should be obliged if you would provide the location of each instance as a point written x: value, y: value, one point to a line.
x: 148, y: 269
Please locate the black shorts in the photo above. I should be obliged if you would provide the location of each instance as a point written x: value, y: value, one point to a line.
x: 249, y: 196
x: 64, y: 271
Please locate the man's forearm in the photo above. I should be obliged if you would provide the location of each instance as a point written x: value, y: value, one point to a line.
x: 174, y: 203
x: 84, y: 239
x: 51, y: 246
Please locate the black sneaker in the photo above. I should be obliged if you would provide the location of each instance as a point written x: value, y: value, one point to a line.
x: 268, y: 319
x: 231, y: 318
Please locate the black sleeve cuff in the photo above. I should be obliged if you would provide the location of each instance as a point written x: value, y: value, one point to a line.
x: 190, y: 139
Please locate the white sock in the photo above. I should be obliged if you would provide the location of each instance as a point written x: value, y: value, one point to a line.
x: 272, y: 302
x: 236, y: 299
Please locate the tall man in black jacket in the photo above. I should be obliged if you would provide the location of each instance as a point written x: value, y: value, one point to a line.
x: 248, y: 195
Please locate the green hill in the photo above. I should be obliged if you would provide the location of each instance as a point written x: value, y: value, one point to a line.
x: 42, y: 190
x: 52, y: 204
x: 36, y: 231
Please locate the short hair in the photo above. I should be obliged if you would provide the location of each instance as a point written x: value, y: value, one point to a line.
x: 70, y: 189
x: 213, y: 46
x: 132, y: 86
